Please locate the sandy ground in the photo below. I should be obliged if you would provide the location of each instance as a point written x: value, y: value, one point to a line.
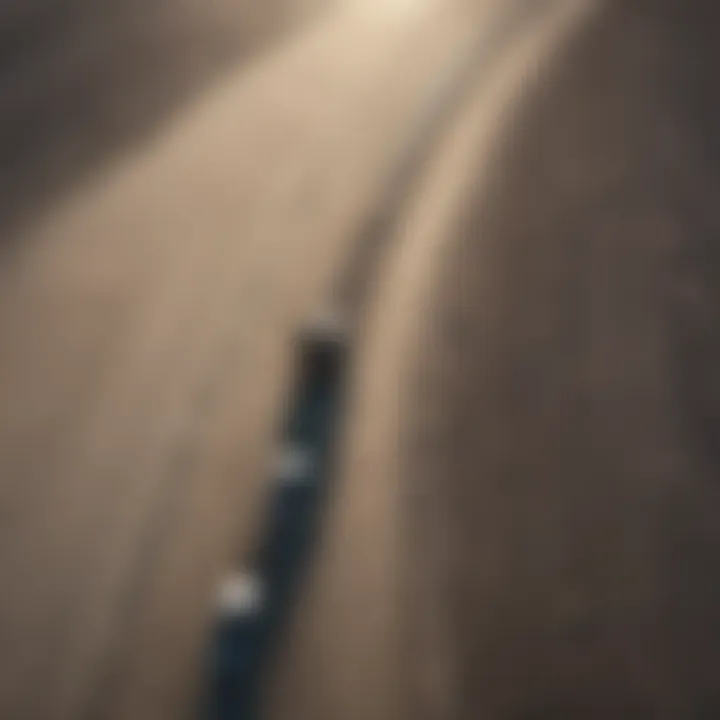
x: 527, y: 526
x: 367, y: 641
x: 146, y: 319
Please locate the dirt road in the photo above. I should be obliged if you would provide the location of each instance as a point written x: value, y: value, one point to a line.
x: 370, y: 637
x: 527, y: 526
x: 145, y: 320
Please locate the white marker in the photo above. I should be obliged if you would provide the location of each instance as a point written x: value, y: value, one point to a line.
x: 240, y: 594
x: 293, y: 464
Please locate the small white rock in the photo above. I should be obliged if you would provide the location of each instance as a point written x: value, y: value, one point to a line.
x: 240, y: 594
x: 293, y: 464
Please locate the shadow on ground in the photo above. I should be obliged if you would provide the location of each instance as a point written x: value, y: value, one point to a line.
x: 82, y: 80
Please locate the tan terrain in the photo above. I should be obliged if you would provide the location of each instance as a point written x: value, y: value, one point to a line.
x: 526, y: 523
x: 146, y: 313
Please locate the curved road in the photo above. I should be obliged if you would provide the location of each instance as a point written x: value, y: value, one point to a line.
x: 527, y: 523
x: 146, y: 314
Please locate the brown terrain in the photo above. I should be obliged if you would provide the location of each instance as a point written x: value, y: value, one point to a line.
x: 525, y: 527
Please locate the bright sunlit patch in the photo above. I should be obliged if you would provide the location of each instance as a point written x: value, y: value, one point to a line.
x: 400, y: 8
